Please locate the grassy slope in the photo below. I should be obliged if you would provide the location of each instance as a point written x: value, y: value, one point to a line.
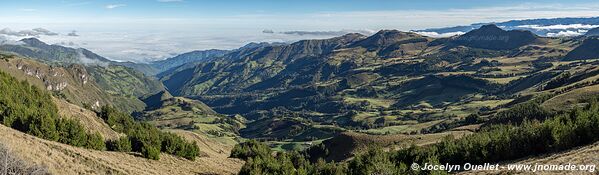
x: 586, y: 155
x: 65, y: 159
x: 90, y: 121
x: 347, y: 144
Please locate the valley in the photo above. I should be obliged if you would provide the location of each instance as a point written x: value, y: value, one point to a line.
x: 316, y: 106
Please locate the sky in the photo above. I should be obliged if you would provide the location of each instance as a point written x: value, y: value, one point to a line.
x: 146, y: 30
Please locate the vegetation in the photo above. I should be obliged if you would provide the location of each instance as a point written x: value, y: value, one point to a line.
x: 493, y: 144
x: 123, y: 144
x: 28, y: 109
x: 145, y: 138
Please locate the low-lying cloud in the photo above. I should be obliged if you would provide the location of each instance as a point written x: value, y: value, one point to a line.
x: 440, y: 35
x: 88, y: 61
x: 33, y: 32
x: 559, y: 27
x: 7, y: 41
x: 567, y: 33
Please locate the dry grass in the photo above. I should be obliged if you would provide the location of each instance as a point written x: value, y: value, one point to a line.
x: 570, y: 99
x: 587, y: 155
x: 90, y: 121
x: 65, y: 159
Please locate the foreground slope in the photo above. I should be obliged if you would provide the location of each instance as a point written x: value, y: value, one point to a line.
x: 585, y: 155
x: 65, y: 159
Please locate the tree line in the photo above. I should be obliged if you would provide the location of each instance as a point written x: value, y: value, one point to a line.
x: 31, y: 110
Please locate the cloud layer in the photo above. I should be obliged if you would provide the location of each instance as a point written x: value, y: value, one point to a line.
x: 158, y: 36
x: 33, y: 32
x: 440, y: 35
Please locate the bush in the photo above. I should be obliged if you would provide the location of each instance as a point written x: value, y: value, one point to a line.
x: 249, y: 149
x: 95, y: 141
x: 146, y: 138
x: 123, y: 144
x: 150, y: 152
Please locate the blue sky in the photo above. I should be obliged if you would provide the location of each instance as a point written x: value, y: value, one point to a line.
x: 144, y: 30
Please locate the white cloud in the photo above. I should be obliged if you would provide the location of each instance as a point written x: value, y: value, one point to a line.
x: 33, y: 32
x: 7, y: 41
x: 560, y: 27
x: 142, y: 38
x: 440, y: 35
x: 88, y: 61
x: 566, y: 33
x: 113, y: 6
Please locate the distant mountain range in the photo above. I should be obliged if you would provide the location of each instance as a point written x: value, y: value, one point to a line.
x: 196, y: 56
x: 541, y: 27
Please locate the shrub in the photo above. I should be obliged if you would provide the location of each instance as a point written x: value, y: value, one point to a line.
x: 146, y: 138
x: 123, y: 144
x: 150, y: 152
x: 95, y: 141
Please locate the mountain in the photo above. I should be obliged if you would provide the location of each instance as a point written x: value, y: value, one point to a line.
x: 145, y: 68
x: 240, y: 69
x: 393, y: 43
x: 539, y: 27
x: 589, y: 49
x: 189, y: 57
x: 75, y: 72
x: 253, y: 45
x: 54, y: 54
x: 375, y: 83
x: 593, y: 32
x: 74, y: 83
x: 492, y: 37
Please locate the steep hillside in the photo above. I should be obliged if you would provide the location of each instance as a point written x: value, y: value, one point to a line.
x: 90, y: 121
x: 586, y: 50
x: 592, y: 32
x: 72, y: 83
x: 108, y: 75
x: 124, y: 81
x: 585, y: 156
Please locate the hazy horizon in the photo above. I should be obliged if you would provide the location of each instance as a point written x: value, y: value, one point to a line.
x: 143, y: 31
